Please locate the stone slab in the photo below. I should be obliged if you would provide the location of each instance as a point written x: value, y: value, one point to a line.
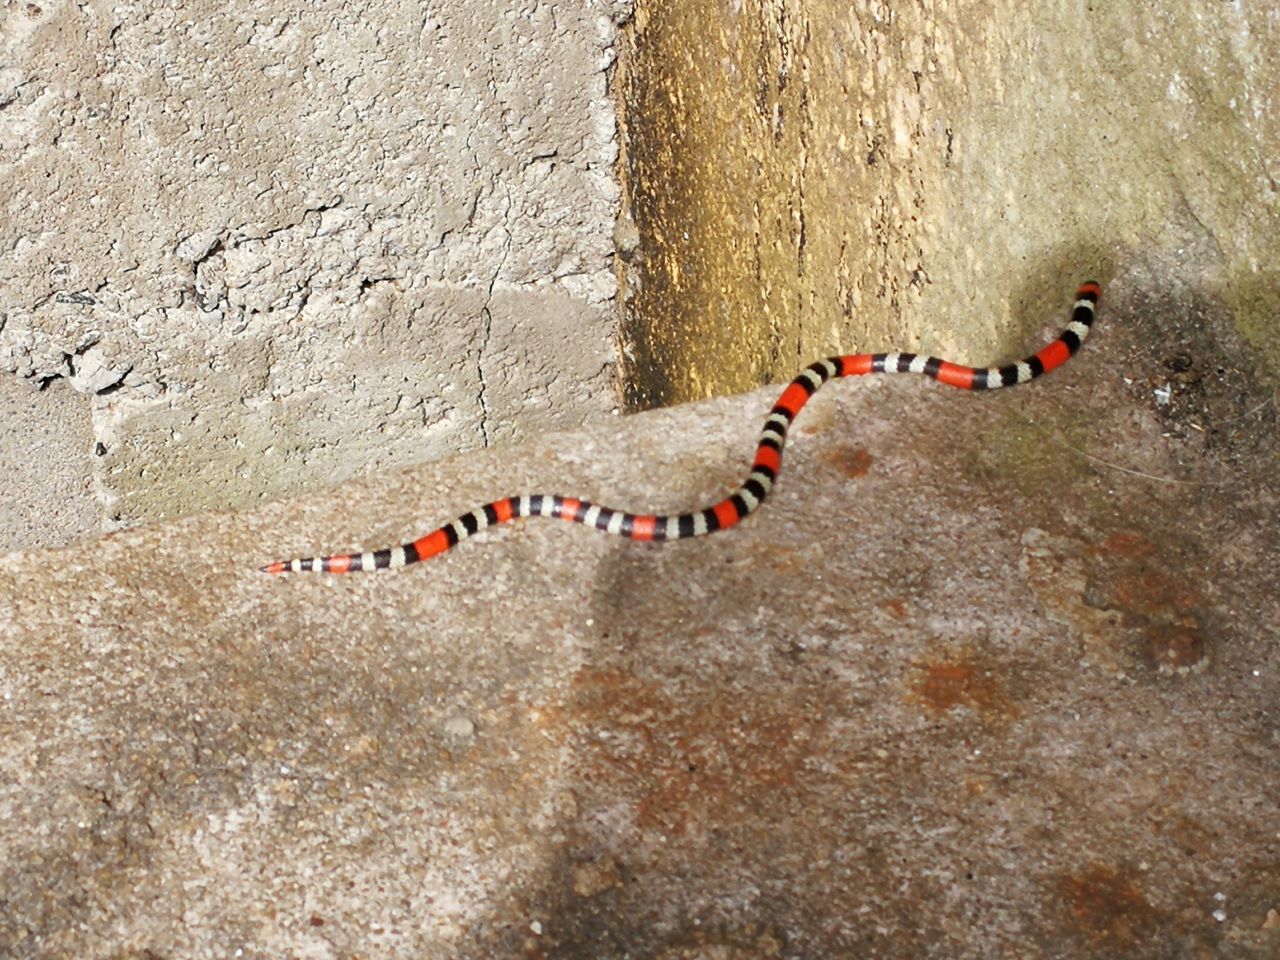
x: 989, y: 675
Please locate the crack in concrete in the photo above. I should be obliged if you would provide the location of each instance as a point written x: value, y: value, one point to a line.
x: 486, y: 426
x: 485, y: 431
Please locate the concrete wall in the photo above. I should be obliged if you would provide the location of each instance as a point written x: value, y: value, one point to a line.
x: 276, y: 244
x: 48, y: 476
x: 808, y: 177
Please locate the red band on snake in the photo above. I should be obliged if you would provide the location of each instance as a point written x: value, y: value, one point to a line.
x: 765, y: 467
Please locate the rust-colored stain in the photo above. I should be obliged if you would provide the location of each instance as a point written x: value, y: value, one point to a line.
x: 1128, y: 543
x: 1133, y: 579
x: 1162, y: 602
x: 689, y: 760
x: 1107, y: 908
x: 896, y: 607
x: 1176, y: 647
x: 1154, y: 593
x: 944, y: 684
x: 853, y: 462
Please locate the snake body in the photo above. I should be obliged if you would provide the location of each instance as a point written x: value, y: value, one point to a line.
x: 765, y: 467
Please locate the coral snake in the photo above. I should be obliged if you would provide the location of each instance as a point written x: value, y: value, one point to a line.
x: 764, y: 468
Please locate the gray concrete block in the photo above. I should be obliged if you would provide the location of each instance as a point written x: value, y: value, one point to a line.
x: 45, y: 451
x: 271, y: 240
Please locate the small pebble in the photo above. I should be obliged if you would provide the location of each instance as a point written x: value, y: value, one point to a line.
x: 459, y: 727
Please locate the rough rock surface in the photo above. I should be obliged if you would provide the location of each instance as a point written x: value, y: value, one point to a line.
x: 285, y: 242
x: 989, y: 675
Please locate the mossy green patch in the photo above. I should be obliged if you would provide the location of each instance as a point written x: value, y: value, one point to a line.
x: 1254, y: 299
x: 1031, y: 456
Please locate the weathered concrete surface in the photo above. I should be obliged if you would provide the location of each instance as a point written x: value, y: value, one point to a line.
x: 282, y: 243
x: 45, y: 450
x: 814, y: 176
x: 989, y: 675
